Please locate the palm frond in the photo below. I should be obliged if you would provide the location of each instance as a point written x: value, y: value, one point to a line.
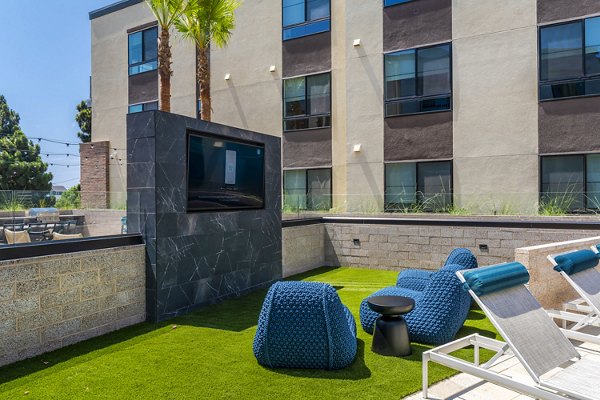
x: 204, y: 21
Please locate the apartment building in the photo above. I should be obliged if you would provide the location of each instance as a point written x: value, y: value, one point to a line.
x: 385, y: 104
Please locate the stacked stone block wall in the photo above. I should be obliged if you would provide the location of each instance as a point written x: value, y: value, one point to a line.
x: 53, y: 301
x: 412, y: 246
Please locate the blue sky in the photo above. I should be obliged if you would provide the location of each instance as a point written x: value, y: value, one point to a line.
x: 45, y: 70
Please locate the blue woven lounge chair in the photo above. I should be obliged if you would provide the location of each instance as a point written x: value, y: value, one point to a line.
x: 417, y: 279
x: 304, y: 325
x: 441, y: 308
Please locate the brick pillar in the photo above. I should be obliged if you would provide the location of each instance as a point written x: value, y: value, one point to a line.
x: 94, y: 174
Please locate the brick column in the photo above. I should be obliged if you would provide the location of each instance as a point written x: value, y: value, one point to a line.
x: 94, y: 174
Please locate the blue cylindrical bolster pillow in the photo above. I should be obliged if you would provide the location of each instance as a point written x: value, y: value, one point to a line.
x: 488, y: 280
x: 577, y: 261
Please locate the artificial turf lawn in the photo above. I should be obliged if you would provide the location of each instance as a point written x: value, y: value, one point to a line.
x: 209, y: 356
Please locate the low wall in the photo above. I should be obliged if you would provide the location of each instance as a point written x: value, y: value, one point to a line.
x: 398, y: 243
x: 53, y: 301
x: 547, y: 285
x: 303, y: 248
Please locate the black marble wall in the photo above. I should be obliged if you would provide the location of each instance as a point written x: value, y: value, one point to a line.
x: 196, y: 258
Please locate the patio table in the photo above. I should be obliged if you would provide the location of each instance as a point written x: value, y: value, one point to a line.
x: 390, y: 336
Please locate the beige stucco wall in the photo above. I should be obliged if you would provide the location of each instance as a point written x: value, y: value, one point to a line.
x: 495, y: 104
x: 110, y: 84
x: 362, y: 112
x: 252, y: 98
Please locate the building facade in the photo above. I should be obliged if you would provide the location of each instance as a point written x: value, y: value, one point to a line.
x: 426, y: 105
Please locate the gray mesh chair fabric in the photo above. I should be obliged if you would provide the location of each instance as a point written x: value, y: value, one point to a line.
x: 536, y: 340
x: 589, y: 283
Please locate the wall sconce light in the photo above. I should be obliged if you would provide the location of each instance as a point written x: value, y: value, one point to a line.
x: 273, y: 68
x: 227, y: 77
x: 357, y: 148
x: 356, y: 42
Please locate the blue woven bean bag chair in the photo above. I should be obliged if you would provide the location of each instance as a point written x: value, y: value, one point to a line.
x: 441, y: 308
x: 304, y: 325
x: 417, y: 279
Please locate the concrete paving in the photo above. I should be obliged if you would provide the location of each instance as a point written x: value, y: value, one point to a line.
x: 468, y: 387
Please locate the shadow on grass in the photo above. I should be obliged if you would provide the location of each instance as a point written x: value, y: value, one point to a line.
x: 237, y: 314
x: 81, y: 351
x: 358, y: 370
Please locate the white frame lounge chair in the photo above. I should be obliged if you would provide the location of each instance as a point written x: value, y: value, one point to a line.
x: 585, y: 280
x: 556, y: 367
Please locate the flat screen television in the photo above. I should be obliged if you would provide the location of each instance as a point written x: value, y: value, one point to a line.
x: 224, y: 174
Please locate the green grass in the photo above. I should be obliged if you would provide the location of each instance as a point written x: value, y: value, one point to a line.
x: 209, y: 356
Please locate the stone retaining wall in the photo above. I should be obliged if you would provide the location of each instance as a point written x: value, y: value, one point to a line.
x: 411, y: 246
x: 53, y: 301
x: 303, y: 248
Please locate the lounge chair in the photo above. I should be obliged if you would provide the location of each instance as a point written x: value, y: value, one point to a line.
x: 304, y: 325
x: 558, y: 370
x: 578, y: 268
x: 417, y: 279
x: 441, y: 308
x: 61, y: 236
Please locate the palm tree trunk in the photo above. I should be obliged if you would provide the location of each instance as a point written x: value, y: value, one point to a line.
x: 164, y: 70
x: 203, y: 76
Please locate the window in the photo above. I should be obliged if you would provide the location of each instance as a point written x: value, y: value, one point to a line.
x: 307, y: 189
x: 307, y: 102
x: 418, y: 81
x: 136, y: 108
x: 388, y: 3
x: 570, y: 59
x: 570, y: 183
x: 143, y: 51
x: 305, y: 17
x: 425, y: 186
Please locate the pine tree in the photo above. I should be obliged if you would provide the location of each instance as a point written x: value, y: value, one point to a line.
x: 21, y: 166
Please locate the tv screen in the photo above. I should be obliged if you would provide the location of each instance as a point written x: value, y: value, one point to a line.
x: 224, y: 173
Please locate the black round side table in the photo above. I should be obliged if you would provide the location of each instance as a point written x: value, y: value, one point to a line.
x: 390, y: 335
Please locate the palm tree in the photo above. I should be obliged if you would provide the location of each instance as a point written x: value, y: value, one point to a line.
x: 204, y: 21
x: 166, y: 12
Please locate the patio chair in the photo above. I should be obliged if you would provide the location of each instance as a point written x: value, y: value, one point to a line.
x: 557, y: 369
x: 441, y: 308
x: 578, y: 268
x: 304, y: 325
x: 14, y: 237
x: 417, y: 279
x: 62, y: 236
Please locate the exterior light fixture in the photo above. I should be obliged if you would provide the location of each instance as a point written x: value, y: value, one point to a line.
x: 273, y: 68
x: 357, y: 148
x: 356, y: 42
x: 227, y: 77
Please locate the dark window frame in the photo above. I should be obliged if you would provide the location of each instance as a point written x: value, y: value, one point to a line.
x: 416, y: 163
x: 306, y: 189
x: 449, y: 95
x: 143, y: 104
x: 129, y: 66
x: 305, y: 23
x: 586, y: 208
x: 583, y: 79
x: 307, y: 116
x: 385, y: 5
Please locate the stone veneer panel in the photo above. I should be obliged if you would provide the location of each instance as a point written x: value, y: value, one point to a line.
x: 197, y: 258
x: 547, y: 285
x: 54, y: 301
x: 303, y: 248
